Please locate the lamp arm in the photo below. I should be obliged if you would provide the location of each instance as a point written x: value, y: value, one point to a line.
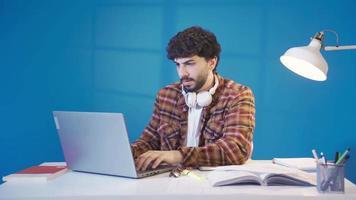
x: 335, y: 48
x: 320, y: 36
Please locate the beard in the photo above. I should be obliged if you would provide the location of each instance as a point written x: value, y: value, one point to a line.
x: 197, y: 84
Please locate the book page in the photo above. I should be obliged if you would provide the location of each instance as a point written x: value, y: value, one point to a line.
x: 299, y: 179
x: 220, y: 178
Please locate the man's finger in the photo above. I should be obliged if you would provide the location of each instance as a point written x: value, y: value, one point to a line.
x: 157, y: 162
x: 149, y: 159
x: 141, y: 159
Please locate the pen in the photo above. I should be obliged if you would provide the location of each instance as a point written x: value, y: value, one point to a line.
x: 315, y: 155
x: 192, y: 174
x: 323, y: 158
x: 336, y: 156
x: 343, y: 156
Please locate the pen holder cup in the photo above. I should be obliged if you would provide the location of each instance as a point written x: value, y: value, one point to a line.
x: 330, y: 178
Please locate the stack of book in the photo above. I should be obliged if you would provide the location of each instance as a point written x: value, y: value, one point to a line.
x: 40, y: 173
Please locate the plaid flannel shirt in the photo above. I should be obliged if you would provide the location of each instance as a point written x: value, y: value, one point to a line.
x: 226, y: 126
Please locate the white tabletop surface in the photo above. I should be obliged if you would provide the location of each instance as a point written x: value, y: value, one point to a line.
x: 77, y: 185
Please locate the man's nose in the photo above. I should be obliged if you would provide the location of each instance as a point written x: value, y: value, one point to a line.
x: 182, y: 71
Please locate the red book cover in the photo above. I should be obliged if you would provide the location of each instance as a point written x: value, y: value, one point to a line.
x: 42, y: 170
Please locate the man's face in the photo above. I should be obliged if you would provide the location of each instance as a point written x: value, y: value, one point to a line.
x: 193, y: 71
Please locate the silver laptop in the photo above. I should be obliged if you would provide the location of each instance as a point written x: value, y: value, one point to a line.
x: 98, y: 143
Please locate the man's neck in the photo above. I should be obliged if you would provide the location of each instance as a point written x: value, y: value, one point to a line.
x: 208, y: 84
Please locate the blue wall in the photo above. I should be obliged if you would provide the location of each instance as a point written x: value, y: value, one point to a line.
x: 109, y: 55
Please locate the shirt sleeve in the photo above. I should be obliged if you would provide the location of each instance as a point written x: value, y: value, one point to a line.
x: 150, y: 139
x: 235, y: 146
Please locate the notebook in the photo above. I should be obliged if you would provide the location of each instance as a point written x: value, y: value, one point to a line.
x: 305, y: 164
x: 97, y: 142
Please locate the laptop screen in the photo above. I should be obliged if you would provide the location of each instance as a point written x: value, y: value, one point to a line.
x: 95, y: 142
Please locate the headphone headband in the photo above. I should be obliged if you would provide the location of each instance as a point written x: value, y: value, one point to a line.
x: 216, y: 84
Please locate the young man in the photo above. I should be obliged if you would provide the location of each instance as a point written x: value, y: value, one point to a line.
x: 204, y: 120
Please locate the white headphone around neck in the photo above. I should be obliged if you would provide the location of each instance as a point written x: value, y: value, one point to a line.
x: 203, y: 98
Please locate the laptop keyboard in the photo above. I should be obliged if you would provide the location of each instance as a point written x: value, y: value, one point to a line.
x: 150, y: 172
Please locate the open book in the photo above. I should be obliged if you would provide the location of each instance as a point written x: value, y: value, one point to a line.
x: 260, y: 174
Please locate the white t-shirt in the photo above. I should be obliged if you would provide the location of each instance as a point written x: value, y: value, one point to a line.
x: 193, y: 133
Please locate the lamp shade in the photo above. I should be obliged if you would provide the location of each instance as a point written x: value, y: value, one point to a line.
x: 306, y: 61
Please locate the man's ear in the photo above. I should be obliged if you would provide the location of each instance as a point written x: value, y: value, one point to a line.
x: 212, y: 63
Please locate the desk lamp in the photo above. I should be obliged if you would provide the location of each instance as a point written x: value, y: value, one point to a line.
x: 307, y: 61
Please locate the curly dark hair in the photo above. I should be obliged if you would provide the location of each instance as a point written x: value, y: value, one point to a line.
x: 194, y: 41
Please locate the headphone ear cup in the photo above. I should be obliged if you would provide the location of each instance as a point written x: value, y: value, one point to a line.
x: 191, y: 99
x: 204, y: 98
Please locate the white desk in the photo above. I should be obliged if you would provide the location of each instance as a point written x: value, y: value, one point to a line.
x: 79, y: 186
